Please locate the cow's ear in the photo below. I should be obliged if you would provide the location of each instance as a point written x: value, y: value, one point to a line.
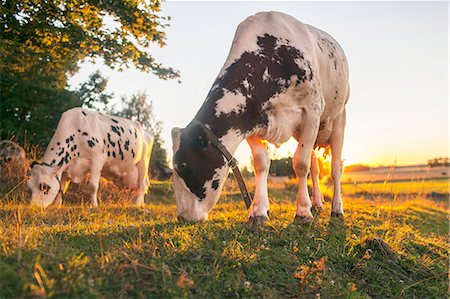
x: 31, y: 166
x: 198, y: 136
x: 33, y: 163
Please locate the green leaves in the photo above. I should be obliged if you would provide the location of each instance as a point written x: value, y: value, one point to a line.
x: 42, y: 43
x: 61, y: 33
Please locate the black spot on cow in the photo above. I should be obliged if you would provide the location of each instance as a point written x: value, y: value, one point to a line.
x: 320, y: 47
x: 58, y: 143
x: 132, y: 153
x: 127, y: 145
x: 110, y: 140
x: 79, y: 131
x: 67, y: 140
x: 78, y: 154
x: 120, y: 150
x: 53, y: 162
x: 67, y: 157
x: 71, y: 138
x: 84, y: 113
x: 90, y: 143
x: 135, y: 133
x: 256, y: 75
x: 121, y: 128
x: 61, y: 162
x: 96, y: 140
x: 84, y: 133
x: 114, y: 154
x: 109, y: 153
x: 129, y: 130
x: 215, y: 184
x: 52, y: 149
x: 60, y: 152
x: 113, y: 120
x: 116, y: 130
x: 104, y: 141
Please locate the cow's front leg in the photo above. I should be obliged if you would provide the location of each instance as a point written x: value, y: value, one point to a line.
x: 62, y: 187
x: 94, y: 182
x: 259, y: 212
x: 317, y: 197
x: 301, y: 165
x: 336, y: 142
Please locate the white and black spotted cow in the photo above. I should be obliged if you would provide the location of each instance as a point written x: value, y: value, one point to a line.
x: 88, y: 143
x: 282, y: 78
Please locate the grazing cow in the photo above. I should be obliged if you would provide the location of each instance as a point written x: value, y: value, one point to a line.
x: 12, y: 156
x: 90, y: 143
x: 282, y: 78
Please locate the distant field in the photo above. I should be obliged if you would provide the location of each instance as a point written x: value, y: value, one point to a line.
x: 425, y: 187
x: 384, y: 248
x: 398, y: 173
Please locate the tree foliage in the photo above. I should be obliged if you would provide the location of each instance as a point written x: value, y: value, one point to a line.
x: 92, y: 92
x: 45, y: 40
x: 42, y: 43
x: 32, y: 110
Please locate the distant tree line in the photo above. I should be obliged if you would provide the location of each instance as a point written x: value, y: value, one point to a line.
x: 357, y: 168
x: 282, y: 167
x: 438, y: 162
x: 42, y: 44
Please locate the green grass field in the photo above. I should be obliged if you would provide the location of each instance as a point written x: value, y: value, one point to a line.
x: 118, y: 251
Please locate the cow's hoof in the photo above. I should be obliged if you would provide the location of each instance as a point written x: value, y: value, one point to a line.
x: 316, y: 210
x: 303, y: 219
x: 257, y: 221
x: 337, y: 215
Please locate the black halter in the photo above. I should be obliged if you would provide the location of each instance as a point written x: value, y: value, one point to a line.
x: 59, y: 182
x: 231, y: 161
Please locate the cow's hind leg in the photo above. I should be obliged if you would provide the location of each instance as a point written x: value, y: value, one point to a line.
x: 336, y: 142
x: 259, y: 212
x: 301, y: 165
x: 143, y: 179
x: 94, y: 181
x: 143, y: 182
x: 317, y: 197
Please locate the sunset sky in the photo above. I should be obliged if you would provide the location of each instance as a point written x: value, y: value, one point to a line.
x: 397, y: 53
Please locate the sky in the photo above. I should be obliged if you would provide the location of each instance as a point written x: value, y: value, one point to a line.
x: 398, y: 59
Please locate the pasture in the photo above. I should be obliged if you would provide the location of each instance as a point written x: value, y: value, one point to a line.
x: 385, y: 247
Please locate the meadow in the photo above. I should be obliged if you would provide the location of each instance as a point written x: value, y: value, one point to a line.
x: 387, y: 246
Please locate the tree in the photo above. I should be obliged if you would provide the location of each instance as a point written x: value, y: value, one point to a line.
x: 139, y: 108
x: 92, y: 93
x: 42, y: 43
x: 45, y: 40
x: 26, y: 108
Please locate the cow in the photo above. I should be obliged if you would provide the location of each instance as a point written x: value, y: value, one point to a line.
x: 282, y: 78
x: 88, y: 143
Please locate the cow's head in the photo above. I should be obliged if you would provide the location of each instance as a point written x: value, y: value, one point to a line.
x: 200, y: 171
x: 43, y: 184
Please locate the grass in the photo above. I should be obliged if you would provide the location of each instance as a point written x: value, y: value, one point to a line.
x: 118, y: 251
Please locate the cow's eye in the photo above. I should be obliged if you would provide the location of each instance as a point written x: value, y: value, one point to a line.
x: 44, y: 188
x: 183, y: 165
